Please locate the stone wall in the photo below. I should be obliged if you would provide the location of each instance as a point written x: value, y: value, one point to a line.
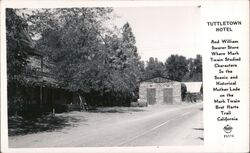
x: 176, y: 86
x: 177, y: 92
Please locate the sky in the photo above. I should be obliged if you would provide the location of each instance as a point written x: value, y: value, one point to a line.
x: 162, y: 31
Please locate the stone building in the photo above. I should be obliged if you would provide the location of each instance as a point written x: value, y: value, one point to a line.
x: 160, y: 90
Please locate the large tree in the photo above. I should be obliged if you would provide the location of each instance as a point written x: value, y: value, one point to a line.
x: 176, y: 67
x: 131, y: 62
x: 19, y: 44
x: 197, y: 69
x: 154, y: 68
x: 76, y: 47
x: 124, y: 65
x: 194, y: 69
x: 89, y: 56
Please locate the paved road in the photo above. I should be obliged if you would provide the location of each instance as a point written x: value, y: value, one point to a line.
x: 177, y: 127
x: 181, y: 125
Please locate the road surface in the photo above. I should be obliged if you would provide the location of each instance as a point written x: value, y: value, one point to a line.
x: 152, y: 126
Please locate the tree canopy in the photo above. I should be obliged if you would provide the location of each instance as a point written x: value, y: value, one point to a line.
x: 154, y: 68
x: 176, y: 68
x: 19, y: 44
x: 89, y: 57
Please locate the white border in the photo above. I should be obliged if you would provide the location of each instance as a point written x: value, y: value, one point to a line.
x: 75, y: 3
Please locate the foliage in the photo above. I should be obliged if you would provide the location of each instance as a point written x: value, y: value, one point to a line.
x: 154, y: 68
x: 194, y: 69
x: 18, y: 46
x: 90, y: 57
x: 176, y: 67
x: 183, y: 91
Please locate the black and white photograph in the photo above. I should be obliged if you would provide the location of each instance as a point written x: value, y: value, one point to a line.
x: 104, y: 77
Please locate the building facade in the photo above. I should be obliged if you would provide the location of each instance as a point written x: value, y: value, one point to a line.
x: 46, y: 91
x: 160, y: 91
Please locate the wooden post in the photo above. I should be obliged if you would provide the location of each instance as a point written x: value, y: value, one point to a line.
x: 41, y: 88
x: 41, y: 95
x: 41, y: 64
x: 53, y: 112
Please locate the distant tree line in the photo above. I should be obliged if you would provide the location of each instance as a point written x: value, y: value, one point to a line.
x: 89, y: 57
x: 176, y: 67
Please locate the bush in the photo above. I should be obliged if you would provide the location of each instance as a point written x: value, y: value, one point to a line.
x: 183, y: 91
x: 139, y: 104
x: 143, y: 104
x: 134, y: 104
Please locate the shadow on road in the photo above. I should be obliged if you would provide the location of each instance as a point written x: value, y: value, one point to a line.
x: 116, y: 110
x: 18, y: 125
